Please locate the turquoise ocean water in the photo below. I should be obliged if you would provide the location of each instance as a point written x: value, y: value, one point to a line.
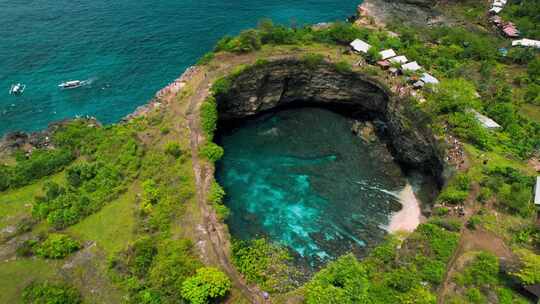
x: 301, y: 178
x: 127, y: 49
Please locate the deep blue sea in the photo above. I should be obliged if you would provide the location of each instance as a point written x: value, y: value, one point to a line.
x: 126, y: 49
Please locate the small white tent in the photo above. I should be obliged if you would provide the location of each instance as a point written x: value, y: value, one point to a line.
x: 411, y: 66
x: 387, y: 54
x: 360, y: 46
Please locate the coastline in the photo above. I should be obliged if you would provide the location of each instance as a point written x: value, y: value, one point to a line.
x: 410, y: 215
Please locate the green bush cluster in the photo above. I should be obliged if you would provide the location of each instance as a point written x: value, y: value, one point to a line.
x: 56, y: 246
x: 215, y: 197
x: 512, y: 189
x: 154, y: 271
x: 393, y: 272
x: 50, y: 293
x: 207, y: 285
x: 268, y: 33
x: 39, y: 164
x: 113, y: 157
x: 265, y: 264
x: 209, y: 117
x: 173, y: 149
x: 480, y: 279
x: 212, y: 151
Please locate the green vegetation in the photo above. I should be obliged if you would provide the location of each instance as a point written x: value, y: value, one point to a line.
x: 208, y: 284
x: 480, y: 279
x: 525, y: 14
x: 392, y: 273
x: 173, y: 149
x: 209, y: 117
x: 212, y: 151
x: 57, y: 246
x: 50, y: 293
x: 39, y: 164
x: 530, y: 269
x: 266, y: 264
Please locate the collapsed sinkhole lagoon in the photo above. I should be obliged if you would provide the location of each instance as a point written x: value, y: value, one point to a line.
x: 321, y: 161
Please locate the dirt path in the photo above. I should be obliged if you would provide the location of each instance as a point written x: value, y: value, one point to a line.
x: 471, y: 240
x: 213, y: 236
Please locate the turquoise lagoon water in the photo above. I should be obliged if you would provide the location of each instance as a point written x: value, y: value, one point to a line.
x: 301, y: 178
x: 127, y: 49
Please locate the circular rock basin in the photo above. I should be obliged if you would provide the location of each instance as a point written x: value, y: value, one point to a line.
x: 301, y: 178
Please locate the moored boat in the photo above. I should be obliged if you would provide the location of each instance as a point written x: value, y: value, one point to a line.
x: 71, y: 84
x: 17, y: 89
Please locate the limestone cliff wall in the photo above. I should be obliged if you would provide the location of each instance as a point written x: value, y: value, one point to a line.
x: 290, y: 82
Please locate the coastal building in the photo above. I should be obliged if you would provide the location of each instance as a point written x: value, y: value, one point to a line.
x: 411, y: 66
x: 485, y: 121
x: 384, y: 64
x: 386, y: 54
x: 399, y: 59
x: 429, y: 79
x: 495, y: 10
x: 360, y: 46
x: 510, y: 30
x: 527, y: 43
x: 537, y: 193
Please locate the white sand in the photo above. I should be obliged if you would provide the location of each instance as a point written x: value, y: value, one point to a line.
x: 410, y: 216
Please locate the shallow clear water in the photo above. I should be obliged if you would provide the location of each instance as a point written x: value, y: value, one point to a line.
x: 301, y: 178
x: 128, y: 49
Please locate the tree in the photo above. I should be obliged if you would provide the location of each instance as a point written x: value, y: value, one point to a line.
x: 209, y: 283
x: 455, y: 95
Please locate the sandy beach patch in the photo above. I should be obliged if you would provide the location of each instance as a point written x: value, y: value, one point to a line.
x: 410, y: 216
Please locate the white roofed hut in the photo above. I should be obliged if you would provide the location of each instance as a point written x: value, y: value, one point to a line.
x: 360, y: 46
x: 485, y: 121
x: 429, y: 79
x: 495, y: 10
x: 386, y: 54
x: 527, y: 43
x: 399, y: 59
x: 411, y: 66
x: 537, y: 192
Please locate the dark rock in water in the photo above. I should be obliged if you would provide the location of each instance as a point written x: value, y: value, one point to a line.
x: 290, y: 83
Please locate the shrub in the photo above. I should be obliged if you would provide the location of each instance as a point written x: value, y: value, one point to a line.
x: 263, y: 263
x: 529, y: 273
x: 343, y: 67
x: 221, y: 86
x: 50, y: 293
x: 174, y: 263
x: 208, y: 284
x: 342, y: 281
x: 212, y: 152
x: 373, y: 55
x: 483, y: 270
x: 141, y: 255
x: 173, y: 149
x: 453, y: 196
x: 209, y: 117
x: 57, y: 246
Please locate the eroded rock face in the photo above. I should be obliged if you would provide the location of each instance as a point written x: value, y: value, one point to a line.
x: 412, y: 12
x: 292, y: 83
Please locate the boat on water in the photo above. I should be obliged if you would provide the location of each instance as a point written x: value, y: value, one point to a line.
x: 17, y: 89
x: 71, y: 84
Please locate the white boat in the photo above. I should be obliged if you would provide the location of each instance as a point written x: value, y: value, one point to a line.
x: 17, y: 89
x: 71, y: 84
